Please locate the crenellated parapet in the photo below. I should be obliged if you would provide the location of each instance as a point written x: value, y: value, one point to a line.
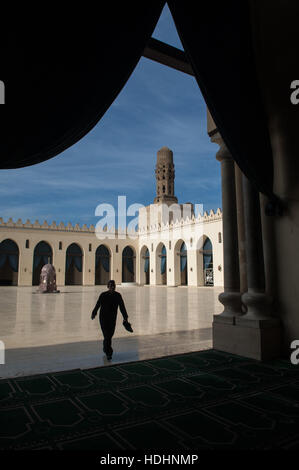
x: 45, y: 226
x: 19, y: 224
x: 157, y: 226
x: 183, y: 222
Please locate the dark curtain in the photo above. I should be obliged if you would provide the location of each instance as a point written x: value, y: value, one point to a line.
x: 183, y: 256
x: 68, y: 262
x: 9, y: 250
x: 163, y: 259
x: 183, y: 262
x: 3, y: 257
x: 207, y: 254
x: 42, y: 253
x: 146, y: 265
x: 62, y: 71
x: 216, y: 37
x: 146, y: 261
x: 105, y: 263
x: 127, y: 258
x: 130, y: 265
x: 103, y: 257
x: 78, y: 263
x: 14, y: 262
x: 207, y: 261
x: 98, y: 261
x: 47, y: 259
x: 163, y: 264
x: 73, y: 253
x: 37, y: 260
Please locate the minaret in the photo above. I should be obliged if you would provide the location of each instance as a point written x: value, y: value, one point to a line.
x: 165, y: 176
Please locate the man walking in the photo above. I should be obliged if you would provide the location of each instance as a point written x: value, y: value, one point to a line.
x: 109, y: 301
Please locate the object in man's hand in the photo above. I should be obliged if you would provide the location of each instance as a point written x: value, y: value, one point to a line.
x: 127, y: 326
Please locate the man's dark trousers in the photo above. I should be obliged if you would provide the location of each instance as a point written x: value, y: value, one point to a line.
x: 108, y: 328
x: 109, y: 303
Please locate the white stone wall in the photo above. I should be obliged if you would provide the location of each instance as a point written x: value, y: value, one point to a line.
x: 193, y: 232
x: 84, y: 236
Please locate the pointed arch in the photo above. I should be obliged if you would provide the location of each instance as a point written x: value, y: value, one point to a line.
x: 43, y: 254
x: 207, y: 253
x: 9, y: 262
x: 144, y: 265
x: 161, y: 264
x: 102, y: 265
x: 181, y: 263
x: 74, y: 265
x: 128, y: 264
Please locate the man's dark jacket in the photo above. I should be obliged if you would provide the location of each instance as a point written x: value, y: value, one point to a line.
x: 109, y: 302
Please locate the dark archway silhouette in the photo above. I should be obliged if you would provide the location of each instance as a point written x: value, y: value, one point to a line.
x: 102, y: 265
x: 42, y: 255
x: 128, y: 265
x: 73, y: 265
x: 146, y: 265
x: 161, y: 264
x: 183, y: 264
x: 207, y: 253
x: 9, y: 263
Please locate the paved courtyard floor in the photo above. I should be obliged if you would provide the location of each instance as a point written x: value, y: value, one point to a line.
x: 54, y: 332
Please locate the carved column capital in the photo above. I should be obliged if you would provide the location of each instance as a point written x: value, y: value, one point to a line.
x: 223, y: 153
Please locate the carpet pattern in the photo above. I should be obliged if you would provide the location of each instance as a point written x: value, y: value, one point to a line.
x: 204, y: 400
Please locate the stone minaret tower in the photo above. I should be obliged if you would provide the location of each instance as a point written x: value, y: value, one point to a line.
x: 165, y: 177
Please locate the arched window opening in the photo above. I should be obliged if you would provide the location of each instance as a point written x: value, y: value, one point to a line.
x: 163, y: 265
x: 208, y: 263
x: 42, y: 255
x: 102, y: 265
x: 146, y: 258
x: 73, y: 265
x: 128, y: 265
x: 9, y: 263
x: 183, y: 264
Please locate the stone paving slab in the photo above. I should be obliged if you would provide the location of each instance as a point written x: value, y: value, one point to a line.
x: 44, y: 332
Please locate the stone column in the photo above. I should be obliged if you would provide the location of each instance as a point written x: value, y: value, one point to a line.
x: 241, y: 230
x: 255, y: 298
x: 231, y: 297
x: 258, y: 331
x: 269, y: 247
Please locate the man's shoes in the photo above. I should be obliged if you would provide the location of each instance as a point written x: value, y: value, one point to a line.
x: 109, y: 356
x: 128, y: 326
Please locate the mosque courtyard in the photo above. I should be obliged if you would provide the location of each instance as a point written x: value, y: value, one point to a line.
x: 54, y: 332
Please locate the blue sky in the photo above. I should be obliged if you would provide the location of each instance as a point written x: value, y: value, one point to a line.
x: 158, y: 106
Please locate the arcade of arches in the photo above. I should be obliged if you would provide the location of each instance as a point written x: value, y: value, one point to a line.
x: 125, y: 263
x: 172, y: 246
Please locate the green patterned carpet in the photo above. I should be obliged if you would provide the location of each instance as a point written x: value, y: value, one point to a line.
x: 204, y: 400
